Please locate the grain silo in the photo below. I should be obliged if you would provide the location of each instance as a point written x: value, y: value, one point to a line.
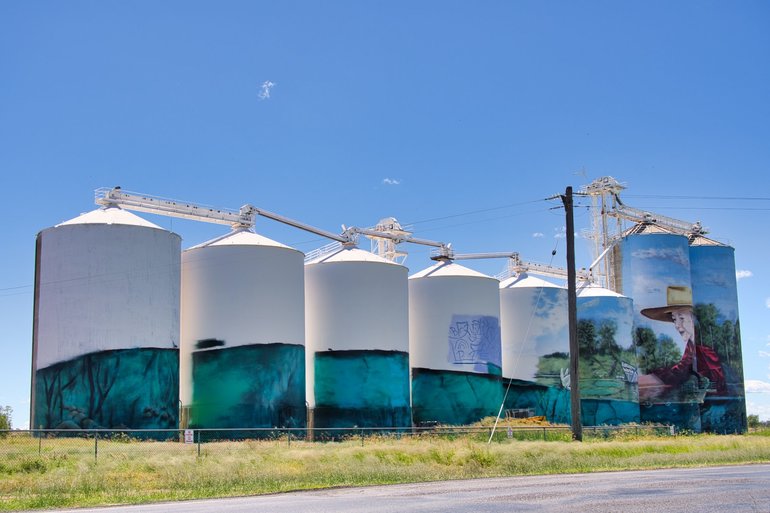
x: 718, y: 345
x: 454, y: 345
x: 535, y: 347
x: 653, y: 269
x: 243, y: 335
x: 356, y: 334
x: 106, y: 324
x: 608, y: 364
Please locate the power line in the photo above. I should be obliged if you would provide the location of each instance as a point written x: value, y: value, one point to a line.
x: 471, y: 212
x: 717, y: 198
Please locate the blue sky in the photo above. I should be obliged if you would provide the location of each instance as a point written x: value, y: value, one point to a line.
x: 459, y: 117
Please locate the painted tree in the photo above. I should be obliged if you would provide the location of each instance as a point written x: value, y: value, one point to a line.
x: 586, y: 335
x: 655, y: 352
x: 607, y: 331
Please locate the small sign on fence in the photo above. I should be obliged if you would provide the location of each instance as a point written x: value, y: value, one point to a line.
x: 189, y: 436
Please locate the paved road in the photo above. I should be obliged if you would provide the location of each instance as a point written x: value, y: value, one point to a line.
x: 704, y: 490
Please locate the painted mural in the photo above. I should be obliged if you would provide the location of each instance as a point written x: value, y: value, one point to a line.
x: 537, y: 361
x: 256, y: 385
x: 455, y: 398
x: 609, y: 391
x: 718, y: 338
x: 551, y: 401
x: 361, y: 388
x: 655, y: 273
x: 475, y: 340
x: 115, y: 389
x: 472, y: 391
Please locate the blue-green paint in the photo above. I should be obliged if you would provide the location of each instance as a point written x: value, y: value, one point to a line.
x: 453, y: 397
x: 363, y: 388
x: 549, y: 401
x: 116, y: 389
x: 251, y: 386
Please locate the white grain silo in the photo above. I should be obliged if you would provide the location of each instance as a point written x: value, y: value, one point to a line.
x: 106, y: 324
x: 454, y: 345
x: 608, y: 362
x: 356, y: 334
x: 243, y: 333
x: 535, y: 347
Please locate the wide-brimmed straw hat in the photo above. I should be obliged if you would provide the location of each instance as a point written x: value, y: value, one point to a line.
x: 676, y: 297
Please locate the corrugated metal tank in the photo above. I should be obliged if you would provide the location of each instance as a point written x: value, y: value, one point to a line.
x: 454, y: 345
x: 715, y: 296
x: 609, y: 393
x: 356, y: 332
x: 535, y: 347
x: 243, y: 333
x: 653, y: 269
x: 106, y: 324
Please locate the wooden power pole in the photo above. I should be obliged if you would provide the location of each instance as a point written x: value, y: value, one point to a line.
x: 577, y: 425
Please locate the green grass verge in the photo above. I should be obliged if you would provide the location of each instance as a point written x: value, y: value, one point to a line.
x: 64, y: 472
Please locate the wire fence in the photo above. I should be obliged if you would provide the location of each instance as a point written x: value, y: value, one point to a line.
x: 199, y: 443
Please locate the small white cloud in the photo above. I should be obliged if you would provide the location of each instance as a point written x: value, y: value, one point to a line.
x: 391, y: 181
x: 764, y: 354
x: 743, y: 274
x: 755, y: 386
x: 264, y: 89
x: 560, y: 232
x: 767, y: 302
x: 537, y: 235
x: 763, y: 410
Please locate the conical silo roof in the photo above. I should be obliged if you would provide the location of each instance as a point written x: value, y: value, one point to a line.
x: 447, y: 268
x: 242, y: 238
x: 350, y: 255
x: 110, y: 215
x: 524, y: 280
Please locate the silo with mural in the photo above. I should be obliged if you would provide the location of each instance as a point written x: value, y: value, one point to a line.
x: 535, y: 348
x: 454, y: 345
x: 609, y: 392
x: 106, y: 324
x: 653, y: 269
x: 719, y: 355
x: 357, y: 340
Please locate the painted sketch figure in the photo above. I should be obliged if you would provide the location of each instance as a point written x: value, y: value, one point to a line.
x: 699, y: 365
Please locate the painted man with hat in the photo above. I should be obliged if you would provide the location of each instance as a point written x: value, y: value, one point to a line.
x: 698, y: 360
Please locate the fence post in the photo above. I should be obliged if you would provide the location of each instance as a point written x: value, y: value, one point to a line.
x: 289, y: 438
x: 544, y: 434
x: 39, y: 444
x: 362, y: 437
x: 199, y: 443
x: 96, y: 446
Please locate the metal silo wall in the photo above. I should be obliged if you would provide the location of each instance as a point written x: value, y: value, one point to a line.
x: 651, y: 263
x: 535, y: 350
x: 716, y: 307
x: 106, y: 328
x: 243, y: 352
x: 357, y: 341
x: 454, y: 346
x: 609, y: 393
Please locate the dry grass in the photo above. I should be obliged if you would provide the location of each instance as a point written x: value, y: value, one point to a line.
x: 136, y: 472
